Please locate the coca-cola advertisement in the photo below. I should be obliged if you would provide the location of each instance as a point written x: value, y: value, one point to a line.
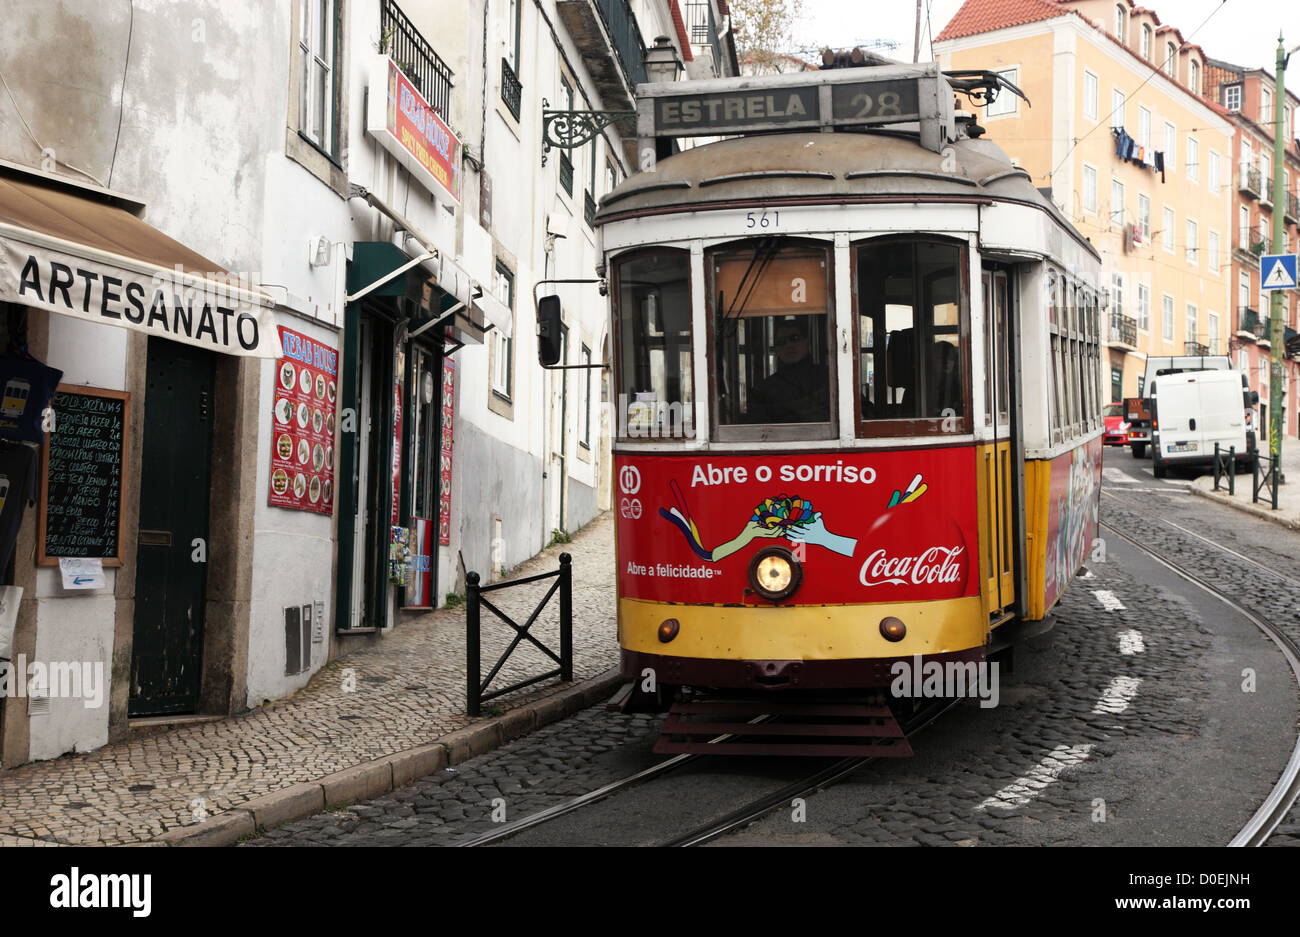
x: 864, y: 526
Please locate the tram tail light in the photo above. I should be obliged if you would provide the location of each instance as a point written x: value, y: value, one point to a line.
x: 668, y: 629
x: 893, y: 629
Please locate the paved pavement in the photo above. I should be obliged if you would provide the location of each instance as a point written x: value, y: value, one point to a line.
x: 1288, y: 495
x: 327, y: 743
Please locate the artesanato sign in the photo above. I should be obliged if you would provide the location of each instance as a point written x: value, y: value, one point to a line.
x: 222, y: 315
x: 406, y: 125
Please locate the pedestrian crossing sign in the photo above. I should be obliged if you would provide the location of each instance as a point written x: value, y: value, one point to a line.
x: 1277, y: 271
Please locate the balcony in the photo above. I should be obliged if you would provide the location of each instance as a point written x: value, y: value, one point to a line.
x: 1123, y: 330
x: 1266, y: 192
x: 704, y: 30
x: 1247, y: 320
x: 512, y: 91
x: 589, y: 209
x: 1292, y: 210
x: 1248, y: 181
x: 1195, y: 348
x: 610, y: 41
x: 404, y: 44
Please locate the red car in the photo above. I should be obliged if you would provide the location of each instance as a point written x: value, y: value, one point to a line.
x: 1116, y: 425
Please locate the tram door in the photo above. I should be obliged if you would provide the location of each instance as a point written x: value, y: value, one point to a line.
x: 999, y: 458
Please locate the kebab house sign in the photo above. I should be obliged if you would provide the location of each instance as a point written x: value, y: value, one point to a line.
x: 302, y: 444
x: 407, y: 126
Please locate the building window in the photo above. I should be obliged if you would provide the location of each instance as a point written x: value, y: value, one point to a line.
x: 1146, y: 42
x: 1192, y: 324
x: 1089, y: 95
x: 589, y: 195
x: 1194, y: 77
x: 1089, y: 188
x: 1117, y: 293
x: 1121, y: 21
x: 1213, y: 251
x: 1193, y: 159
x: 1171, y: 146
x: 611, y: 177
x: 1192, y: 243
x: 1214, y: 173
x: 317, y: 51
x: 1116, y: 108
x: 1171, y: 58
x: 1265, y: 106
x: 1144, y: 131
x: 1144, y: 217
x: 512, y: 89
x: 1144, y: 307
x: 1243, y: 227
x: 1005, y: 103
x: 1167, y: 317
x: 502, y: 348
x: 1232, y: 97
x: 1116, y: 202
x: 514, y: 15
x: 1212, y: 331
x: 566, y: 162
x: 584, y: 437
x: 1167, y: 230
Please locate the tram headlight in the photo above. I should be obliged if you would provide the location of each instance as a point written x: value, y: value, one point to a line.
x: 775, y: 574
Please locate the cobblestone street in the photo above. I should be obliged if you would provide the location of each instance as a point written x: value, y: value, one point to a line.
x: 409, y: 691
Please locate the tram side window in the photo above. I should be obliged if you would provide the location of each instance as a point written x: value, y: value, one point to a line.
x: 654, y: 341
x: 771, y: 318
x: 911, y: 357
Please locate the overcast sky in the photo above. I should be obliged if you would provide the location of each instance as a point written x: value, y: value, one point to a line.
x: 1243, y: 32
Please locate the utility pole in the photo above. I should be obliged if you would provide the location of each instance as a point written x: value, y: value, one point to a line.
x: 916, y: 46
x: 1276, y: 323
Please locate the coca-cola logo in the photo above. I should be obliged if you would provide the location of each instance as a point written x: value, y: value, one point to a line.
x: 935, y: 565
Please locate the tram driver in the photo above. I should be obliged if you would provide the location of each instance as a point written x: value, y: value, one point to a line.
x: 798, y: 391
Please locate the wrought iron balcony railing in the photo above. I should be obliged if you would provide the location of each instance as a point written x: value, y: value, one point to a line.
x: 1247, y: 319
x: 588, y: 208
x: 1248, y: 180
x: 512, y: 91
x: 1123, y: 329
x: 1195, y: 348
x: 403, y: 43
x: 626, y: 35
x: 1292, y: 210
x: 704, y: 29
x: 566, y: 171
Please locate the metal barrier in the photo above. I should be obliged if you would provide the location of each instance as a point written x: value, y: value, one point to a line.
x: 1230, y: 469
x: 1268, y: 480
x: 476, y: 688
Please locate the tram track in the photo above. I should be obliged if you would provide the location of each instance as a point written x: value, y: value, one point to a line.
x: 747, y: 813
x: 1280, y: 800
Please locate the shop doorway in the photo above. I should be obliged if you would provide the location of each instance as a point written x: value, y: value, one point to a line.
x: 171, y: 557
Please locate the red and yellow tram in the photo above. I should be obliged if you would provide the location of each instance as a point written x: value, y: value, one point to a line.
x: 856, y: 365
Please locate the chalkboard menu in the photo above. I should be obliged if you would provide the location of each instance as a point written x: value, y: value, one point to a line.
x: 83, y: 466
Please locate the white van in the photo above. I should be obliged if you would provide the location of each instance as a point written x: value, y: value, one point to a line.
x: 1192, y: 410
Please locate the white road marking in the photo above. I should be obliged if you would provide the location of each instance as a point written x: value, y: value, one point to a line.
x: 1130, y: 642
x: 1149, y: 472
x: 1120, y: 478
x: 1023, y: 790
x: 1118, y: 695
x: 1108, y: 600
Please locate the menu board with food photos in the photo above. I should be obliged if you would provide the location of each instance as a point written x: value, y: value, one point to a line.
x: 302, y: 427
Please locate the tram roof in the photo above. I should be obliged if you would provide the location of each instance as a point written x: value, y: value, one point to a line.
x: 829, y: 168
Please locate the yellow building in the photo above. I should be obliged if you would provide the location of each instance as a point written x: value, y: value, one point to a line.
x: 1130, y: 152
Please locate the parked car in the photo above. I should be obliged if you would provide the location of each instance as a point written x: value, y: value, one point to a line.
x: 1193, y: 410
x: 1137, y: 410
x: 1116, y: 425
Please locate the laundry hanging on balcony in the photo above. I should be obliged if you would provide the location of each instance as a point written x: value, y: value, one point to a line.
x: 1127, y: 149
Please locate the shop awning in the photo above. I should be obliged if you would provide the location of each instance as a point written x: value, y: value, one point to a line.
x: 76, y: 255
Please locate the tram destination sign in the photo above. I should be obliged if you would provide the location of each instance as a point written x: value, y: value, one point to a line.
x: 807, y: 100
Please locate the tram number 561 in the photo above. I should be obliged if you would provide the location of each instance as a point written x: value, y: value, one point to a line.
x: 763, y: 219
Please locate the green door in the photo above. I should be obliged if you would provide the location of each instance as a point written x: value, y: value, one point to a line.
x: 171, y: 559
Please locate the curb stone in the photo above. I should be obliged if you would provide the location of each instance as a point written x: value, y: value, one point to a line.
x: 1267, y: 514
x: 379, y: 776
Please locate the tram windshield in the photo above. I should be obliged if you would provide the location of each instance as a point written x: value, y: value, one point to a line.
x: 911, y: 357
x: 654, y: 344
x: 771, y: 333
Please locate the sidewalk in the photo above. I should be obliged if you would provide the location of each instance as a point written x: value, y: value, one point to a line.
x: 331, y: 741
x: 1288, y: 494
